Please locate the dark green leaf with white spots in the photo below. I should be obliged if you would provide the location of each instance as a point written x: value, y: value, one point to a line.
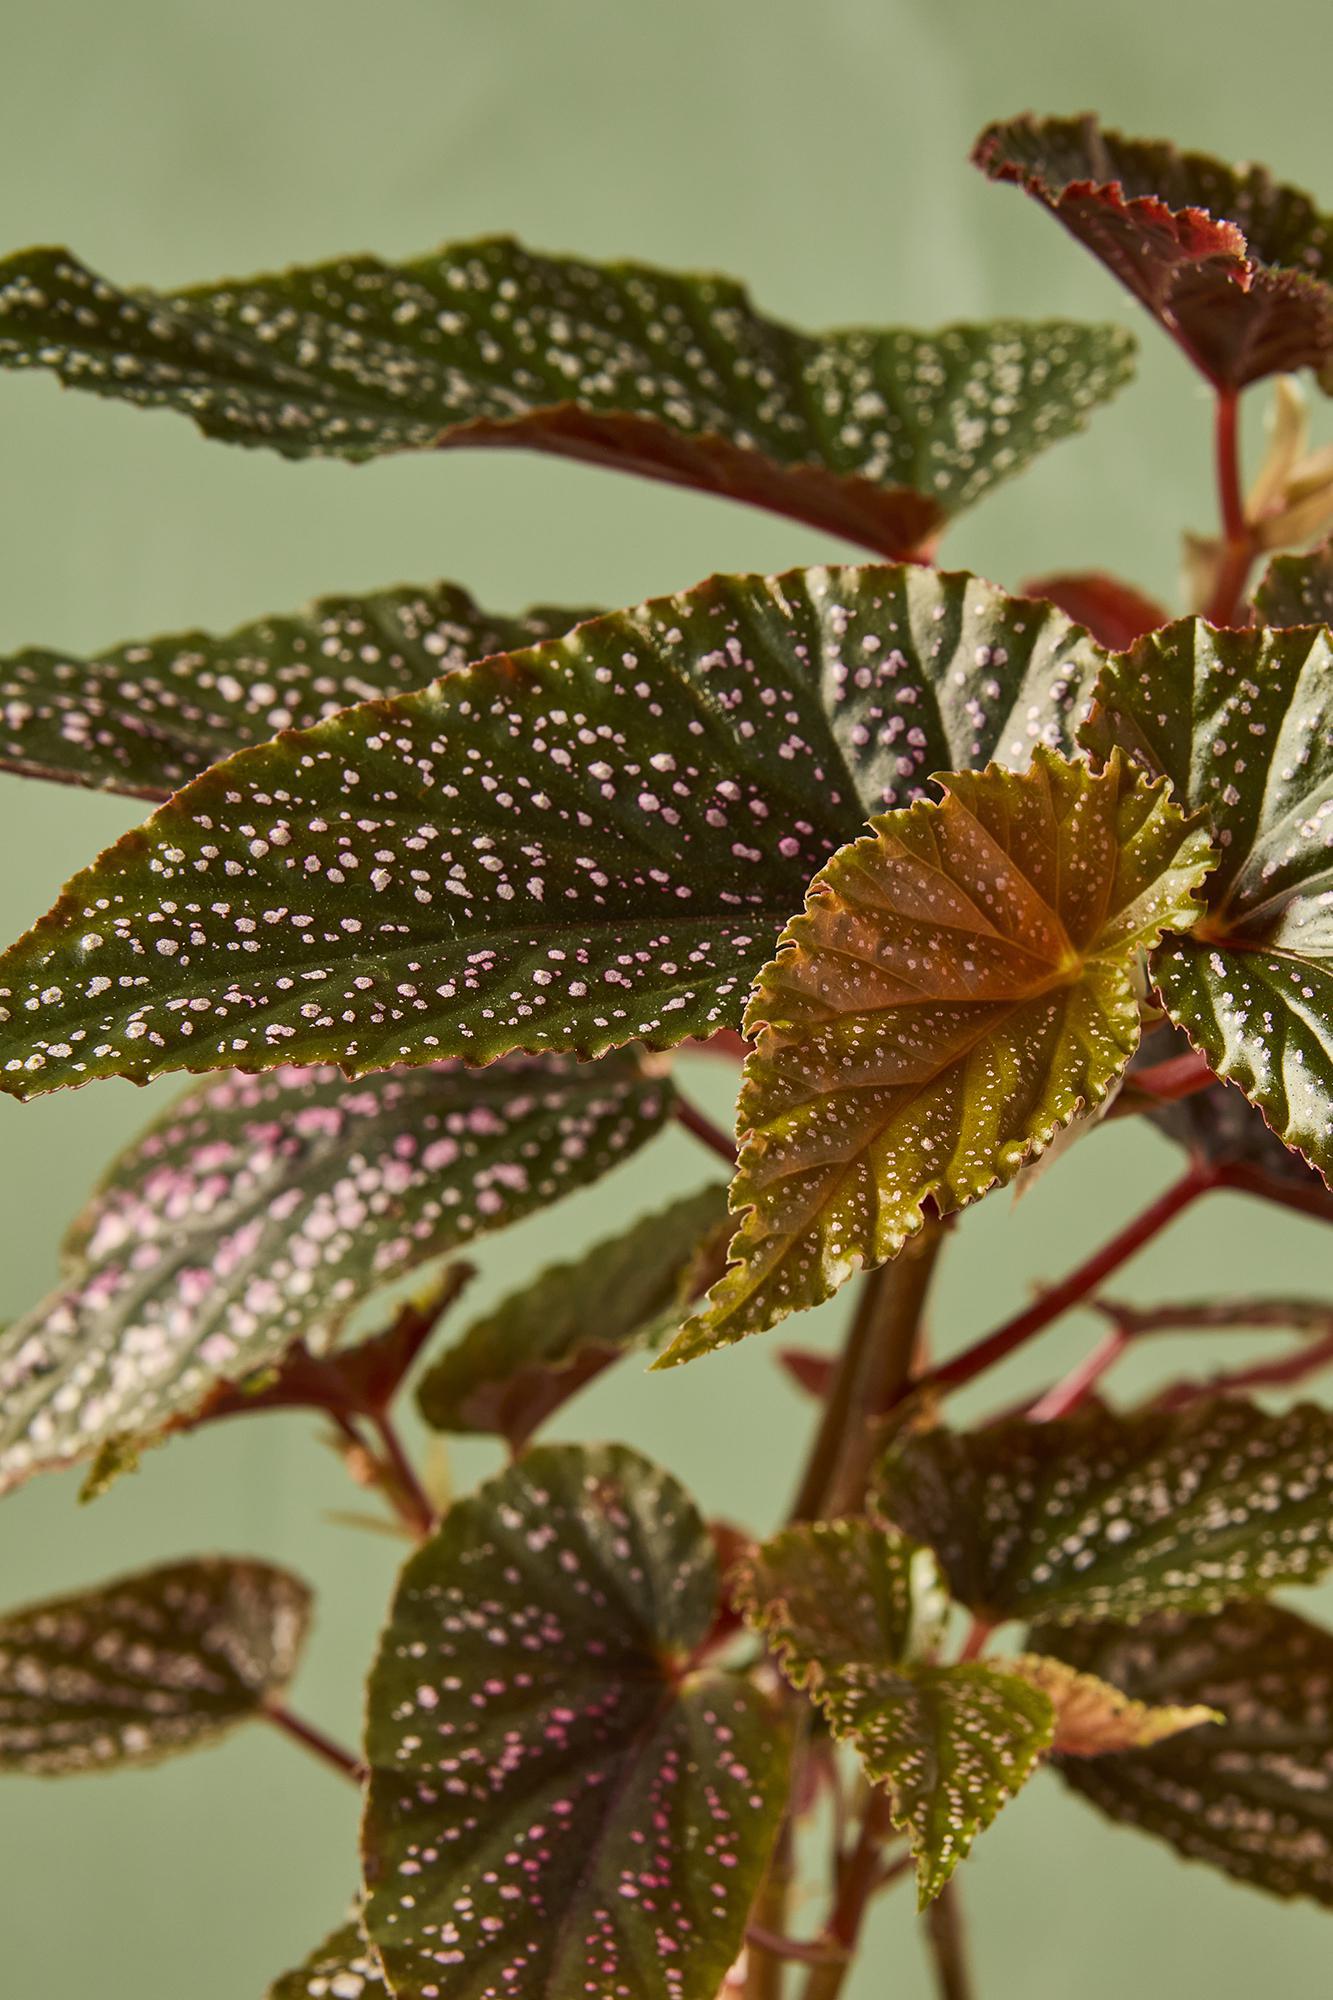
x: 961, y: 985
x: 1106, y: 1516
x: 1242, y: 725
x: 147, y: 717
x: 262, y: 1209
x: 1252, y: 1795
x: 344, y: 1967
x: 593, y: 841
x: 849, y: 1611
x: 877, y: 435
x: 561, y: 1805
x: 1298, y: 590
x: 154, y: 1663
x: 516, y: 1365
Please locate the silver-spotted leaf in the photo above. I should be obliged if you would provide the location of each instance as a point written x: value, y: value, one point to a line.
x: 562, y: 1804
x: 850, y: 1612
x: 129, y: 1672
x: 1253, y: 1795
x: 344, y: 1967
x: 589, y: 842
x: 260, y: 1209
x: 877, y: 435
x: 517, y: 1364
x: 960, y: 986
x: 146, y: 717
x: 1242, y: 725
x: 1298, y: 590
x: 1094, y: 1718
x: 1105, y: 1516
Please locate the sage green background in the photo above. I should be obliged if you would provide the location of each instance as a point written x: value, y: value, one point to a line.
x: 820, y: 151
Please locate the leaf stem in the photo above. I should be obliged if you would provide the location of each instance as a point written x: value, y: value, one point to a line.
x: 403, y: 1486
x: 1167, y: 1082
x: 1283, y: 1374
x: 703, y: 1128
x: 859, y: 1877
x: 1075, y: 1387
x: 1238, y: 542
x: 948, y: 1947
x: 314, y: 1740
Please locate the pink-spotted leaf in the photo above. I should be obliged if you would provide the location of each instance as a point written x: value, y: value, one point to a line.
x: 345, y: 1967
x: 260, y: 1209
x: 1252, y: 1795
x: 562, y: 1803
x: 146, y: 717
x: 134, y: 1670
x: 1298, y: 590
x: 876, y: 435
x: 592, y: 841
x: 1099, y: 1515
x: 1242, y: 725
x: 960, y: 985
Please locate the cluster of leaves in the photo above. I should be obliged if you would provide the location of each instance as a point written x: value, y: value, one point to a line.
x: 438, y: 892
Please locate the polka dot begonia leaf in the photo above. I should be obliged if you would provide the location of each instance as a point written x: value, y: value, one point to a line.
x: 1237, y: 268
x: 1297, y: 590
x: 592, y: 841
x: 147, y: 717
x: 960, y: 986
x: 344, y: 1967
x: 1093, y: 1718
x: 1241, y: 722
x: 1099, y: 1515
x: 1253, y: 1795
x: 562, y: 1804
x: 261, y: 1209
x: 875, y: 435
x: 134, y: 1670
x: 517, y: 1364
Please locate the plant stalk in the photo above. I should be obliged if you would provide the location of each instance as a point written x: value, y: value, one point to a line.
x: 402, y: 1484
x: 948, y: 1947
x: 314, y: 1740
x: 703, y: 1128
x: 1238, y: 549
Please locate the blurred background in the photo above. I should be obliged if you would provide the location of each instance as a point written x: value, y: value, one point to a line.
x: 820, y: 152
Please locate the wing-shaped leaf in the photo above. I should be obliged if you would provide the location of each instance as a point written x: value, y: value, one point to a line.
x: 262, y: 1209
x: 1298, y: 590
x: 1236, y: 267
x: 147, y: 717
x: 154, y: 1663
x: 561, y: 1804
x: 512, y: 1368
x: 1105, y: 1516
x: 1253, y: 1796
x: 875, y: 435
x: 344, y: 1967
x: 1114, y: 612
x: 1094, y: 1718
x: 1242, y: 725
x: 849, y: 1611
x: 960, y: 985
x: 586, y: 843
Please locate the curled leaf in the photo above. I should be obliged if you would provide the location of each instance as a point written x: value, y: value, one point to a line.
x: 1094, y: 1718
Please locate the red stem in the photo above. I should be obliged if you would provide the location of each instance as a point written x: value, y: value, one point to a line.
x: 1238, y: 552
x: 705, y: 1130
x: 1291, y: 1369
x: 413, y: 1501
x: 1165, y: 1082
x: 1079, y: 1383
x: 314, y: 1740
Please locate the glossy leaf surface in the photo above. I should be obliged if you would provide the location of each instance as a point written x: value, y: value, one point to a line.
x: 560, y: 1803
x: 260, y: 1210
x: 147, y: 717
x: 1236, y: 267
x: 1094, y: 1718
x: 522, y: 1360
x: 1242, y: 725
x: 590, y: 842
x: 344, y: 1967
x: 960, y: 986
x: 875, y: 435
x: 1298, y: 590
x: 1252, y: 1796
x: 154, y: 1663
x: 1105, y: 1516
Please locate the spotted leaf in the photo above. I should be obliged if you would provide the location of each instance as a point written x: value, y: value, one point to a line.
x: 877, y: 435
x: 147, y: 717
x: 515, y: 1366
x: 1252, y: 1796
x: 1105, y: 1516
x: 140, y: 1668
x: 1094, y: 1718
x: 851, y: 1613
x: 262, y: 1209
x: 960, y: 986
x: 1242, y: 725
x: 344, y: 1967
x: 562, y: 1803
x: 1298, y: 590
x: 592, y: 841
x: 1237, y: 268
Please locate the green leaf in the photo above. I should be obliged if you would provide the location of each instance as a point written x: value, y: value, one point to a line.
x: 344, y: 1967
x: 1242, y: 725
x: 1252, y: 1796
x: 515, y: 1366
x: 260, y: 1210
x: 1298, y: 590
x: 875, y: 435
x: 1105, y: 1516
x: 562, y: 1802
x: 1093, y: 1718
x: 152, y: 1664
x: 849, y: 1611
x: 147, y: 717
x: 593, y: 841
x: 960, y: 986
